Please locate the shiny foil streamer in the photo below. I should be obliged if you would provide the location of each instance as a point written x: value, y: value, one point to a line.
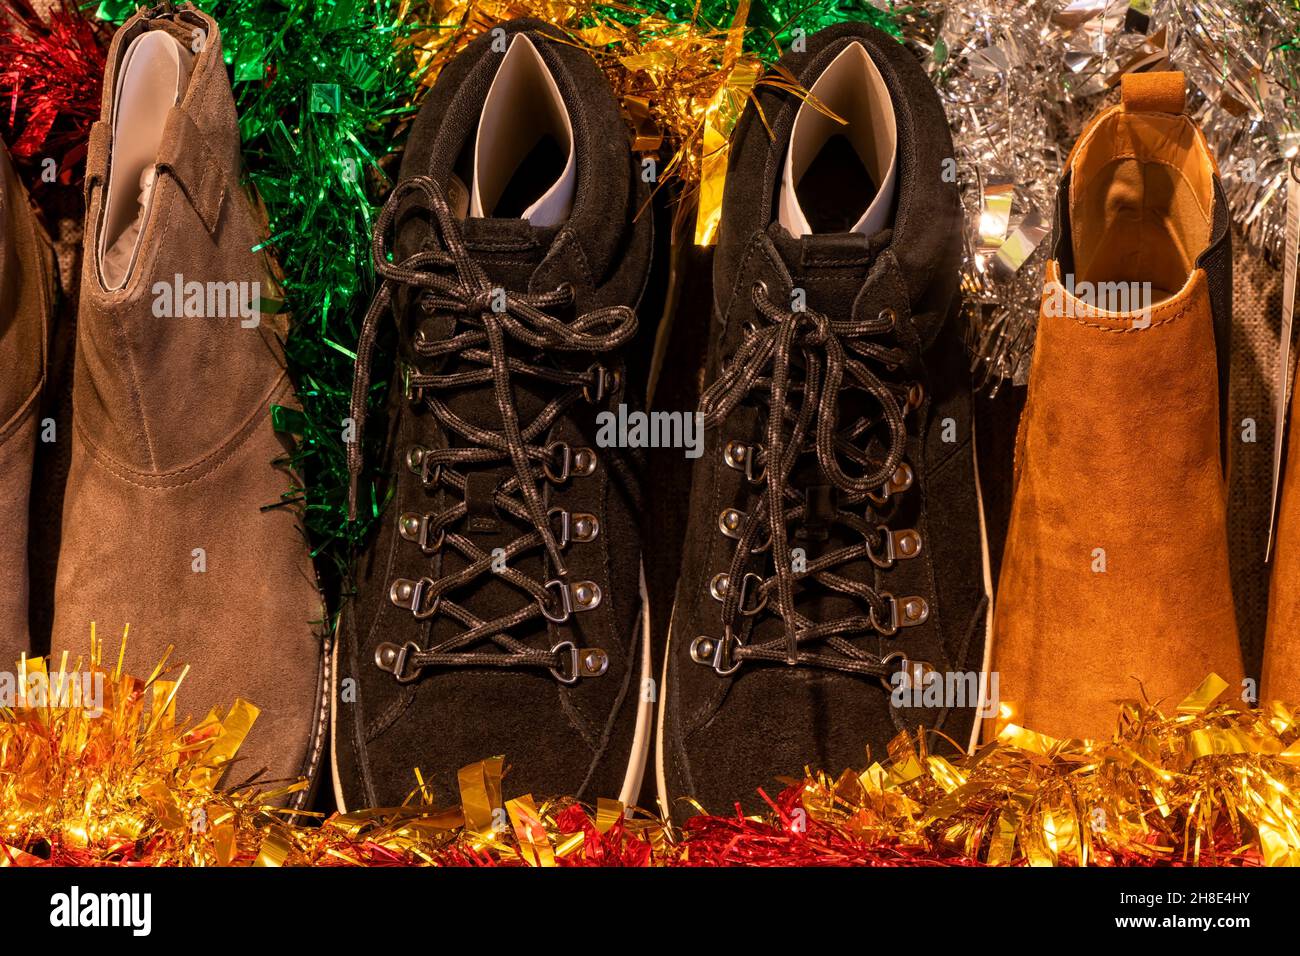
x: 131, y: 780
x: 1243, y: 59
x: 51, y: 73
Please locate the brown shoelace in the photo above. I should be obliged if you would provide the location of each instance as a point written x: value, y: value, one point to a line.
x: 832, y: 355
x: 453, y: 284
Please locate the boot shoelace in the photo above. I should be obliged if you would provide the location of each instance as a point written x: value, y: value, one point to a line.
x: 451, y: 283
x: 833, y: 355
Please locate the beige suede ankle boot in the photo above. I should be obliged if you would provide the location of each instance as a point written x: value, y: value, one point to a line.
x: 26, y: 308
x: 166, y: 525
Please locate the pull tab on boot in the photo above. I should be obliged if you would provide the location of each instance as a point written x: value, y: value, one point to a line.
x: 1164, y: 92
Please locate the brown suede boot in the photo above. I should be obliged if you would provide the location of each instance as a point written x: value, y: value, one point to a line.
x: 1281, y: 677
x: 174, y: 453
x: 26, y: 304
x: 1115, y: 576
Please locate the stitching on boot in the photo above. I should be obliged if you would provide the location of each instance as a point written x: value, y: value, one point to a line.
x: 204, y: 466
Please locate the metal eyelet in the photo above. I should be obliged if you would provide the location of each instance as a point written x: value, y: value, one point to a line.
x: 415, y: 527
x: 898, y: 546
x: 570, y: 598
x: 393, y: 658
x: 730, y: 521
x: 743, y: 457
x: 916, y: 670
x: 901, y: 480
x: 573, y: 461
x: 582, y: 662
x: 586, y: 527
x: 584, y: 462
x: 888, y: 316
x: 759, y: 287
x: 716, y: 653
x: 898, y: 482
x: 915, y: 397
x: 903, y: 612
x: 746, y: 589
x: 570, y: 527
x: 719, y: 584
x: 415, y: 458
x: 409, y: 595
x: 606, y: 381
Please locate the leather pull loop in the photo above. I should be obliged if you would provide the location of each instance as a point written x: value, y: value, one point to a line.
x: 97, y: 158
x: 187, y: 158
x: 1164, y: 92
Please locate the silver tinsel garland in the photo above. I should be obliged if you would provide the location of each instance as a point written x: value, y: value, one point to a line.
x: 1020, y: 78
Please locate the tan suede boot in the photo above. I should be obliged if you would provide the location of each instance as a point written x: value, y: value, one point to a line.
x: 1281, y: 677
x: 1115, y: 580
x: 26, y: 304
x: 164, y: 526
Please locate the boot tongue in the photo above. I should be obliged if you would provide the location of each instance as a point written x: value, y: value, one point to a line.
x: 829, y: 267
x: 509, y: 252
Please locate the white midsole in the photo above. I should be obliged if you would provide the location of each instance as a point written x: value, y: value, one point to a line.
x: 640, y: 738
x: 334, y: 723
x: 661, y: 781
x: 631, y: 791
x: 987, y: 666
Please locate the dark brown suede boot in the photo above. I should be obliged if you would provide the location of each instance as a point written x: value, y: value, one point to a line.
x: 26, y: 301
x: 165, y: 524
x: 498, y: 607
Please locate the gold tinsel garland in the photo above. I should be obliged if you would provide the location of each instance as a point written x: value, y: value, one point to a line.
x: 112, y: 776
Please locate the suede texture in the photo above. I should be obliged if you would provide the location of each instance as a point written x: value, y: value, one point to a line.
x: 724, y: 737
x: 556, y: 738
x: 1281, y: 675
x: 26, y: 309
x: 1115, y: 581
x: 174, y: 449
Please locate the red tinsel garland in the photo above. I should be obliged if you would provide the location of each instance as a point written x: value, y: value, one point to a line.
x: 51, y: 74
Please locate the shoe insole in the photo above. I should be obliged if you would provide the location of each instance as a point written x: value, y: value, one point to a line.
x: 151, y: 80
x: 538, y: 171
x: 524, y: 162
x: 835, y: 188
x: 841, y: 162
